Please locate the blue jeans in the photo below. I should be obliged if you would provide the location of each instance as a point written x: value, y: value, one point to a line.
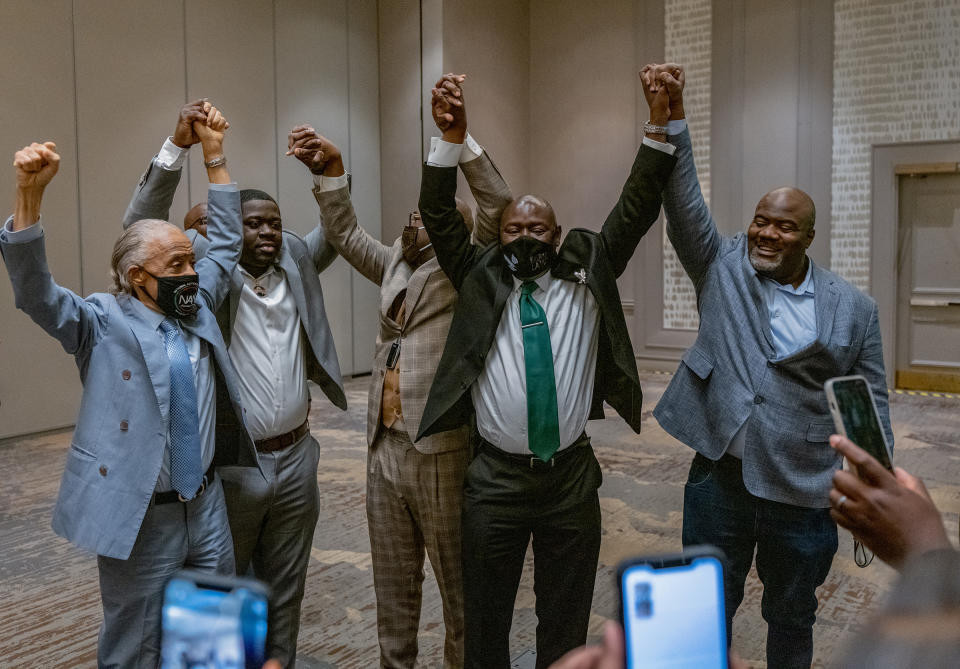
x: 794, y: 546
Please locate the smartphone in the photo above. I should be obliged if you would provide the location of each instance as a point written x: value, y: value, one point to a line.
x: 212, y: 621
x: 855, y: 416
x: 673, y: 611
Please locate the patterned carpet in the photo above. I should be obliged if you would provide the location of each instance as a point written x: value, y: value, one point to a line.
x: 49, y: 600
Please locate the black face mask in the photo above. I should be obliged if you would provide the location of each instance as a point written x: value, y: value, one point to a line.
x: 177, y: 295
x: 408, y: 245
x: 528, y: 258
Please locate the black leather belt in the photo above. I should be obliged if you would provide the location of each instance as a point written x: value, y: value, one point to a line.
x: 533, y: 461
x: 281, y: 441
x: 171, y: 496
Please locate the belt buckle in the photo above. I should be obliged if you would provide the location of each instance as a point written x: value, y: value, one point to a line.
x: 203, y: 488
x: 534, y: 459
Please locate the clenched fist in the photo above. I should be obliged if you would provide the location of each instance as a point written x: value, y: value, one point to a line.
x: 36, y: 165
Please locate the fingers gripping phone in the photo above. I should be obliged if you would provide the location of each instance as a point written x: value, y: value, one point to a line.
x: 213, y: 622
x: 855, y: 416
x: 672, y: 608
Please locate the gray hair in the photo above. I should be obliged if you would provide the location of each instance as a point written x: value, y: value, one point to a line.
x: 132, y: 249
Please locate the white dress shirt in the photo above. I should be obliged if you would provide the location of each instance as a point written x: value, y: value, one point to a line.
x: 500, y: 392
x: 267, y: 348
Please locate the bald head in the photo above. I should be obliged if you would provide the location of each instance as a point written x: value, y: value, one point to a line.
x: 796, y: 200
x: 196, y: 218
x: 780, y: 234
x: 529, y: 216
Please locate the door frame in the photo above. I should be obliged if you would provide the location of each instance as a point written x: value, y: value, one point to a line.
x: 884, y: 224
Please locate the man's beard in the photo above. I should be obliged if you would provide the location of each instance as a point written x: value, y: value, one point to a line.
x: 765, y: 266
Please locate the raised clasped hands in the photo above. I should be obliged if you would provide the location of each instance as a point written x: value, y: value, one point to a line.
x: 211, y: 129
x: 447, y: 106
x: 319, y: 154
x: 663, y: 89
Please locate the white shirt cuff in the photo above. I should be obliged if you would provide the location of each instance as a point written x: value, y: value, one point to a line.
x: 669, y: 149
x: 323, y: 184
x: 27, y: 234
x: 676, y: 127
x: 448, y: 154
x: 171, y: 156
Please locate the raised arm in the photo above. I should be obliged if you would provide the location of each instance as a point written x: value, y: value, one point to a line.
x: 67, y: 317
x: 338, y: 220
x: 690, y: 226
x: 639, y: 204
x: 153, y: 195
x: 438, y: 185
x: 224, y: 221
x: 487, y: 185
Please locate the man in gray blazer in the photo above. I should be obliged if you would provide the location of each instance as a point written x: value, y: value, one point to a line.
x: 413, y: 490
x: 139, y: 487
x: 275, y: 326
x: 748, y: 395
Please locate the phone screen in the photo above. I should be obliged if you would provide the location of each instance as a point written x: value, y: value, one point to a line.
x: 212, y: 627
x: 674, y: 616
x: 855, y: 406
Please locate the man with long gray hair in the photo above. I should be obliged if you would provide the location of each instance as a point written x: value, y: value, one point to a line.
x: 139, y: 486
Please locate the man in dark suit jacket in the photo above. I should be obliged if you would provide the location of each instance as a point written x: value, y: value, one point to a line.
x: 748, y: 395
x: 528, y: 299
x: 275, y: 326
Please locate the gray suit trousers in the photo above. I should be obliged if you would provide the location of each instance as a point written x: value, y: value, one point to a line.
x: 194, y: 535
x: 272, y: 522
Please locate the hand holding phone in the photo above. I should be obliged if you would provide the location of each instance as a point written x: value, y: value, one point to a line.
x: 673, y: 610
x: 855, y: 416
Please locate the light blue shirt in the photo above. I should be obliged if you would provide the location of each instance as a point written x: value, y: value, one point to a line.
x: 793, y: 318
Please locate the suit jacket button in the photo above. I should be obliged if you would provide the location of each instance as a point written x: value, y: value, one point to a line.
x: 124, y: 425
x: 758, y: 399
x: 125, y: 374
x: 103, y: 470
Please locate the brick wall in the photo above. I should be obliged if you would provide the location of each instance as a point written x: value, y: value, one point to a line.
x: 896, y: 79
x: 687, y: 41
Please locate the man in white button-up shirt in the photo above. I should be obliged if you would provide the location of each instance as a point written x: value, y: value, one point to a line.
x: 275, y: 325
x: 511, y: 494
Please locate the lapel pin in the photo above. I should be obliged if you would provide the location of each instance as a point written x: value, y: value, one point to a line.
x: 581, y: 275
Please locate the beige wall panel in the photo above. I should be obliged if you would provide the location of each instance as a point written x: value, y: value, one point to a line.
x: 39, y: 384
x: 490, y: 42
x: 129, y: 88
x: 230, y: 59
x: 771, y: 87
x: 401, y: 153
x: 311, y: 84
x: 364, y: 162
x: 583, y: 80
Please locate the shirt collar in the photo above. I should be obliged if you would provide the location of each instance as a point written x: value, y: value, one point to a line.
x: 273, y: 268
x: 542, y: 281
x: 145, y: 313
x: 805, y: 287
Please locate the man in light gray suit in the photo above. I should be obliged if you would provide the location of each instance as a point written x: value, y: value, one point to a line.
x: 413, y: 490
x: 139, y: 487
x: 748, y: 396
x: 275, y: 326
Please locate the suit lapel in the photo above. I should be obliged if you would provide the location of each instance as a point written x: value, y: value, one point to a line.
x: 752, y: 282
x: 826, y: 298
x: 289, y: 265
x: 154, y: 355
x: 416, y: 283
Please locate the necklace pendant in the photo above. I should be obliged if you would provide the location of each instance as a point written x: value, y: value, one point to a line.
x: 259, y: 290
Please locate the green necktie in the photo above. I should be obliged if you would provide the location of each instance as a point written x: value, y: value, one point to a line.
x: 543, y: 425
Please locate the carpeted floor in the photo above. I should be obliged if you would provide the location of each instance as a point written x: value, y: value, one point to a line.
x: 49, y: 600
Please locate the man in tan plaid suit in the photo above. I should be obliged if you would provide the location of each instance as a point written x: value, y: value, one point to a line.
x: 413, y: 491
